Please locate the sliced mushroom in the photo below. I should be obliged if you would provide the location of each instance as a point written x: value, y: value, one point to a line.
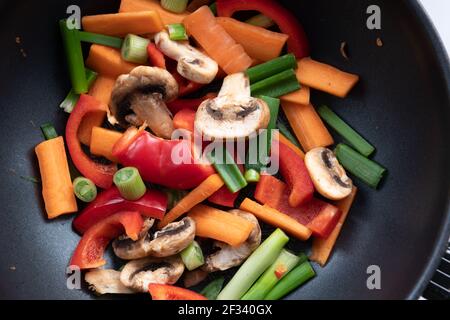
x: 138, y: 274
x: 327, y: 174
x: 169, y: 241
x: 234, y: 113
x: 103, y: 281
x: 192, y: 64
x: 228, y: 257
x: 139, y: 97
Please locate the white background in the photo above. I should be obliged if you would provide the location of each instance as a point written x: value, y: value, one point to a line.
x: 439, y: 11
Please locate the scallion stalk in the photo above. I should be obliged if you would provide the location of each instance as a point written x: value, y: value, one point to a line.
x: 277, y: 85
x: 49, y: 131
x: 271, y: 68
x: 367, y: 170
x: 177, y: 6
x: 74, y: 56
x: 291, y: 281
x: 285, y: 262
x: 177, y: 32
x: 261, y: 20
x: 84, y: 189
x: 287, y: 133
x: 254, y: 266
x: 72, y: 98
x: 130, y: 184
x: 192, y: 256
x: 134, y: 49
x: 343, y: 129
x: 228, y: 170
x: 252, y: 175
x: 109, y: 41
x: 212, y: 290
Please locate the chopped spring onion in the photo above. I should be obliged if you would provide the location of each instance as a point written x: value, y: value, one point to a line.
x: 100, y: 39
x: 367, y: 170
x: 277, y: 85
x: 285, y: 262
x: 192, y: 256
x: 291, y: 281
x: 287, y: 133
x: 177, y: 32
x: 74, y: 56
x: 134, y: 49
x: 177, y: 6
x: 271, y: 68
x: 261, y: 20
x: 252, y: 175
x: 228, y: 170
x: 254, y: 266
x: 49, y: 131
x: 130, y: 184
x: 351, y: 136
x: 84, y: 189
x: 72, y: 98
x: 212, y: 290
x: 213, y: 8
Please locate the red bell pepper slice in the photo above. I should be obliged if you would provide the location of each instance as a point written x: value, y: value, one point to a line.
x: 317, y: 215
x: 286, y: 21
x: 100, y: 174
x: 90, y: 249
x: 155, y: 56
x: 185, y: 86
x: 184, y: 119
x: 224, y: 197
x: 189, y: 104
x: 294, y: 171
x: 152, y: 156
x: 152, y: 204
x: 168, y: 292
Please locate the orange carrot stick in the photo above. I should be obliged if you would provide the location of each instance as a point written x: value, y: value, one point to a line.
x: 276, y: 219
x: 121, y: 24
x: 108, y: 61
x: 57, y: 188
x: 307, y: 125
x: 167, y: 17
x: 103, y: 141
x: 220, y: 225
x: 282, y: 139
x: 325, y: 78
x: 322, y: 248
x: 301, y: 96
x: 199, y: 194
x: 101, y: 89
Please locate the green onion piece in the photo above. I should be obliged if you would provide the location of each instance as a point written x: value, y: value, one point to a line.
x: 100, y: 39
x: 285, y: 262
x: 49, y: 131
x: 271, y: 68
x: 177, y: 6
x: 261, y: 20
x: 228, y: 170
x: 367, y: 170
x: 291, y: 281
x: 213, y: 8
x: 302, y: 258
x: 192, y: 256
x: 287, y: 133
x: 72, y: 98
x: 134, y: 49
x: 254, y: 266
x: 74, y: 56
x: 173, y: 197
x: 84, y: 189
x: 252, y: 175
x: 177, y: 32
x: 212, y: 290
x: 277, y: 85
x: 351, y: 136
x: 130, y: 184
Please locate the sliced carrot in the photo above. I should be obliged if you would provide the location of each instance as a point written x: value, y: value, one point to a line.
x: 57, y: 188
x: 325, y: 78
x: 220, y: 225
x: 276, y: 219
x: 121, y: 24
x: 301, y: 96
x: 322, y: 248
x: 282, y: 139
x: 219, y: 45
x: 103, y: 141
x: 167, y: 17
x: 199, y: 194
x: 108, y: 61
x: 307, y: 125
x: 101, y: 89
x: 258, y: 43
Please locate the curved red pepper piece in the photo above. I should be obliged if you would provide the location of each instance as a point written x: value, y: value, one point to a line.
x: 156, y: 57
x: 90, y: 249
x: 286, y: 21
x: 152, y: 156
x: 168, y: 292
x: 100, y: 174
x: 152, y: 204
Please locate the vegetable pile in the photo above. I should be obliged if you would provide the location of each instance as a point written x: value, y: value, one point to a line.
x: 145, y: 92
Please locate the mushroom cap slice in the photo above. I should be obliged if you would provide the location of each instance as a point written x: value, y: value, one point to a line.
x: 138, y: 274
x: 127, y: 249
x: 104, y: 281
x: 228, y: 257
x: 327, y: 174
